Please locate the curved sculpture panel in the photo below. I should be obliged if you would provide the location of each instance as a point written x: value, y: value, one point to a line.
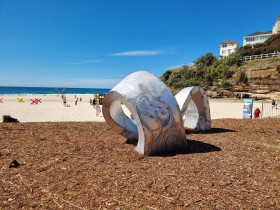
x: 195, y: 109
x: 157, y: 122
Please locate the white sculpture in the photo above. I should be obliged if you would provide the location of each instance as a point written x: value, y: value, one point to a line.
x: 157, y: 122
x: 195, y: 109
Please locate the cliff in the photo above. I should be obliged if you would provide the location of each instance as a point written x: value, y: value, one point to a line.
x: 263, y: 76
x: 229, y: 77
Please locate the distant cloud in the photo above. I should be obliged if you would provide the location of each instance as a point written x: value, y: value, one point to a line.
x: 49, y: 82
x: 96, y: 81
x: 93, y: 61
x: 87, y: 61
x: 90, y: 83
x: 140, y: 53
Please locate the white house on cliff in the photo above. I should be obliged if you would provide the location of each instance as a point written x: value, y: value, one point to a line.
x: 227, y: 48
x: 257, y: 37
x: 260, y: 37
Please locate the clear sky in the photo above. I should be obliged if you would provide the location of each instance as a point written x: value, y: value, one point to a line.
x: 96, y: 43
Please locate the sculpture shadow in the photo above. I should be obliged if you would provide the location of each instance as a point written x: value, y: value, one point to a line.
x: 132, y: 141
x: 192, y: 147
x: 213, y: 130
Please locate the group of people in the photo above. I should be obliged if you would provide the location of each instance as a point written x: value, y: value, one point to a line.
x: 92, y: 102
x: 77, y: 99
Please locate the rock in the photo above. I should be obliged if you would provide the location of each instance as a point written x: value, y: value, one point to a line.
x: 215, y: 95
x: 264, y: 80
x: 4, y: 152
x: 14, y: 164
x: 263, y: 77
x: 8, y: 118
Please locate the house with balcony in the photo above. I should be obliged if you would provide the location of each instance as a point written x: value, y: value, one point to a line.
x: 227, y: 48
x: 257, y: 37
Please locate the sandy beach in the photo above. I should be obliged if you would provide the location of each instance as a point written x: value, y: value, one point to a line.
x: 51, y: 108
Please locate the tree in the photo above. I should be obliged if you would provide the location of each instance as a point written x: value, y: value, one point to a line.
x: 232, y: 59
x: 205, y: 60
x: 166, y: 75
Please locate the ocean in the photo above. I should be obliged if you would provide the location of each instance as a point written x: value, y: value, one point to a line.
x: 49, y: 90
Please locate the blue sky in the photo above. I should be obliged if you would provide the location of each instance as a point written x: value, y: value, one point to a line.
x: 90, y: 43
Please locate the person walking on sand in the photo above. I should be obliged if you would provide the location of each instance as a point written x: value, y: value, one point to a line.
x: 97, y: 110
x: 76, y: 102
x: 257, y: 113
x: 64, y: 101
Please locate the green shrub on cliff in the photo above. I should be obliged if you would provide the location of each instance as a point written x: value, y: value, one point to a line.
x: 166, y: 75
x: 232, y: 59
x: 223, y: 71
x: 207, y: 71
x: 205, y: 60
x: 242, y: 77
x: 225, y: 84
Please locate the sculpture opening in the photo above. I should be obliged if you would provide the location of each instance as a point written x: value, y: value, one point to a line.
x: 194, y: 107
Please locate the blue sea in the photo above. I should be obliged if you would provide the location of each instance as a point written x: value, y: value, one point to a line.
x: 49, y: 90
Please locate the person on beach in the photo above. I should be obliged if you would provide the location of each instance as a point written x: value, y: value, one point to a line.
x: 64, y: 101
x: 257, y: 113
x: 90, y: 101
x: 76, y: 102
x: 273, y: 103
x: 98, y: 110
x: 81, y: 99
x: 93, y: 103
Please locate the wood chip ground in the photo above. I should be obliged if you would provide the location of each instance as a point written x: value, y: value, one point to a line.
x: 87, y: 166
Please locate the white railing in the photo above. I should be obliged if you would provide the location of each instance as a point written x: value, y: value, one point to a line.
x: 180, y: 66
x: 269, y: 111
x: 252, y: 57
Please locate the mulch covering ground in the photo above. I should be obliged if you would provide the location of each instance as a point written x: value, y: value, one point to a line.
x: 88, y: 166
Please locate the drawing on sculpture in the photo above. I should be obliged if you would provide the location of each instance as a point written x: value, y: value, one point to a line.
x: 194, y: 107
x: 157, y: 121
